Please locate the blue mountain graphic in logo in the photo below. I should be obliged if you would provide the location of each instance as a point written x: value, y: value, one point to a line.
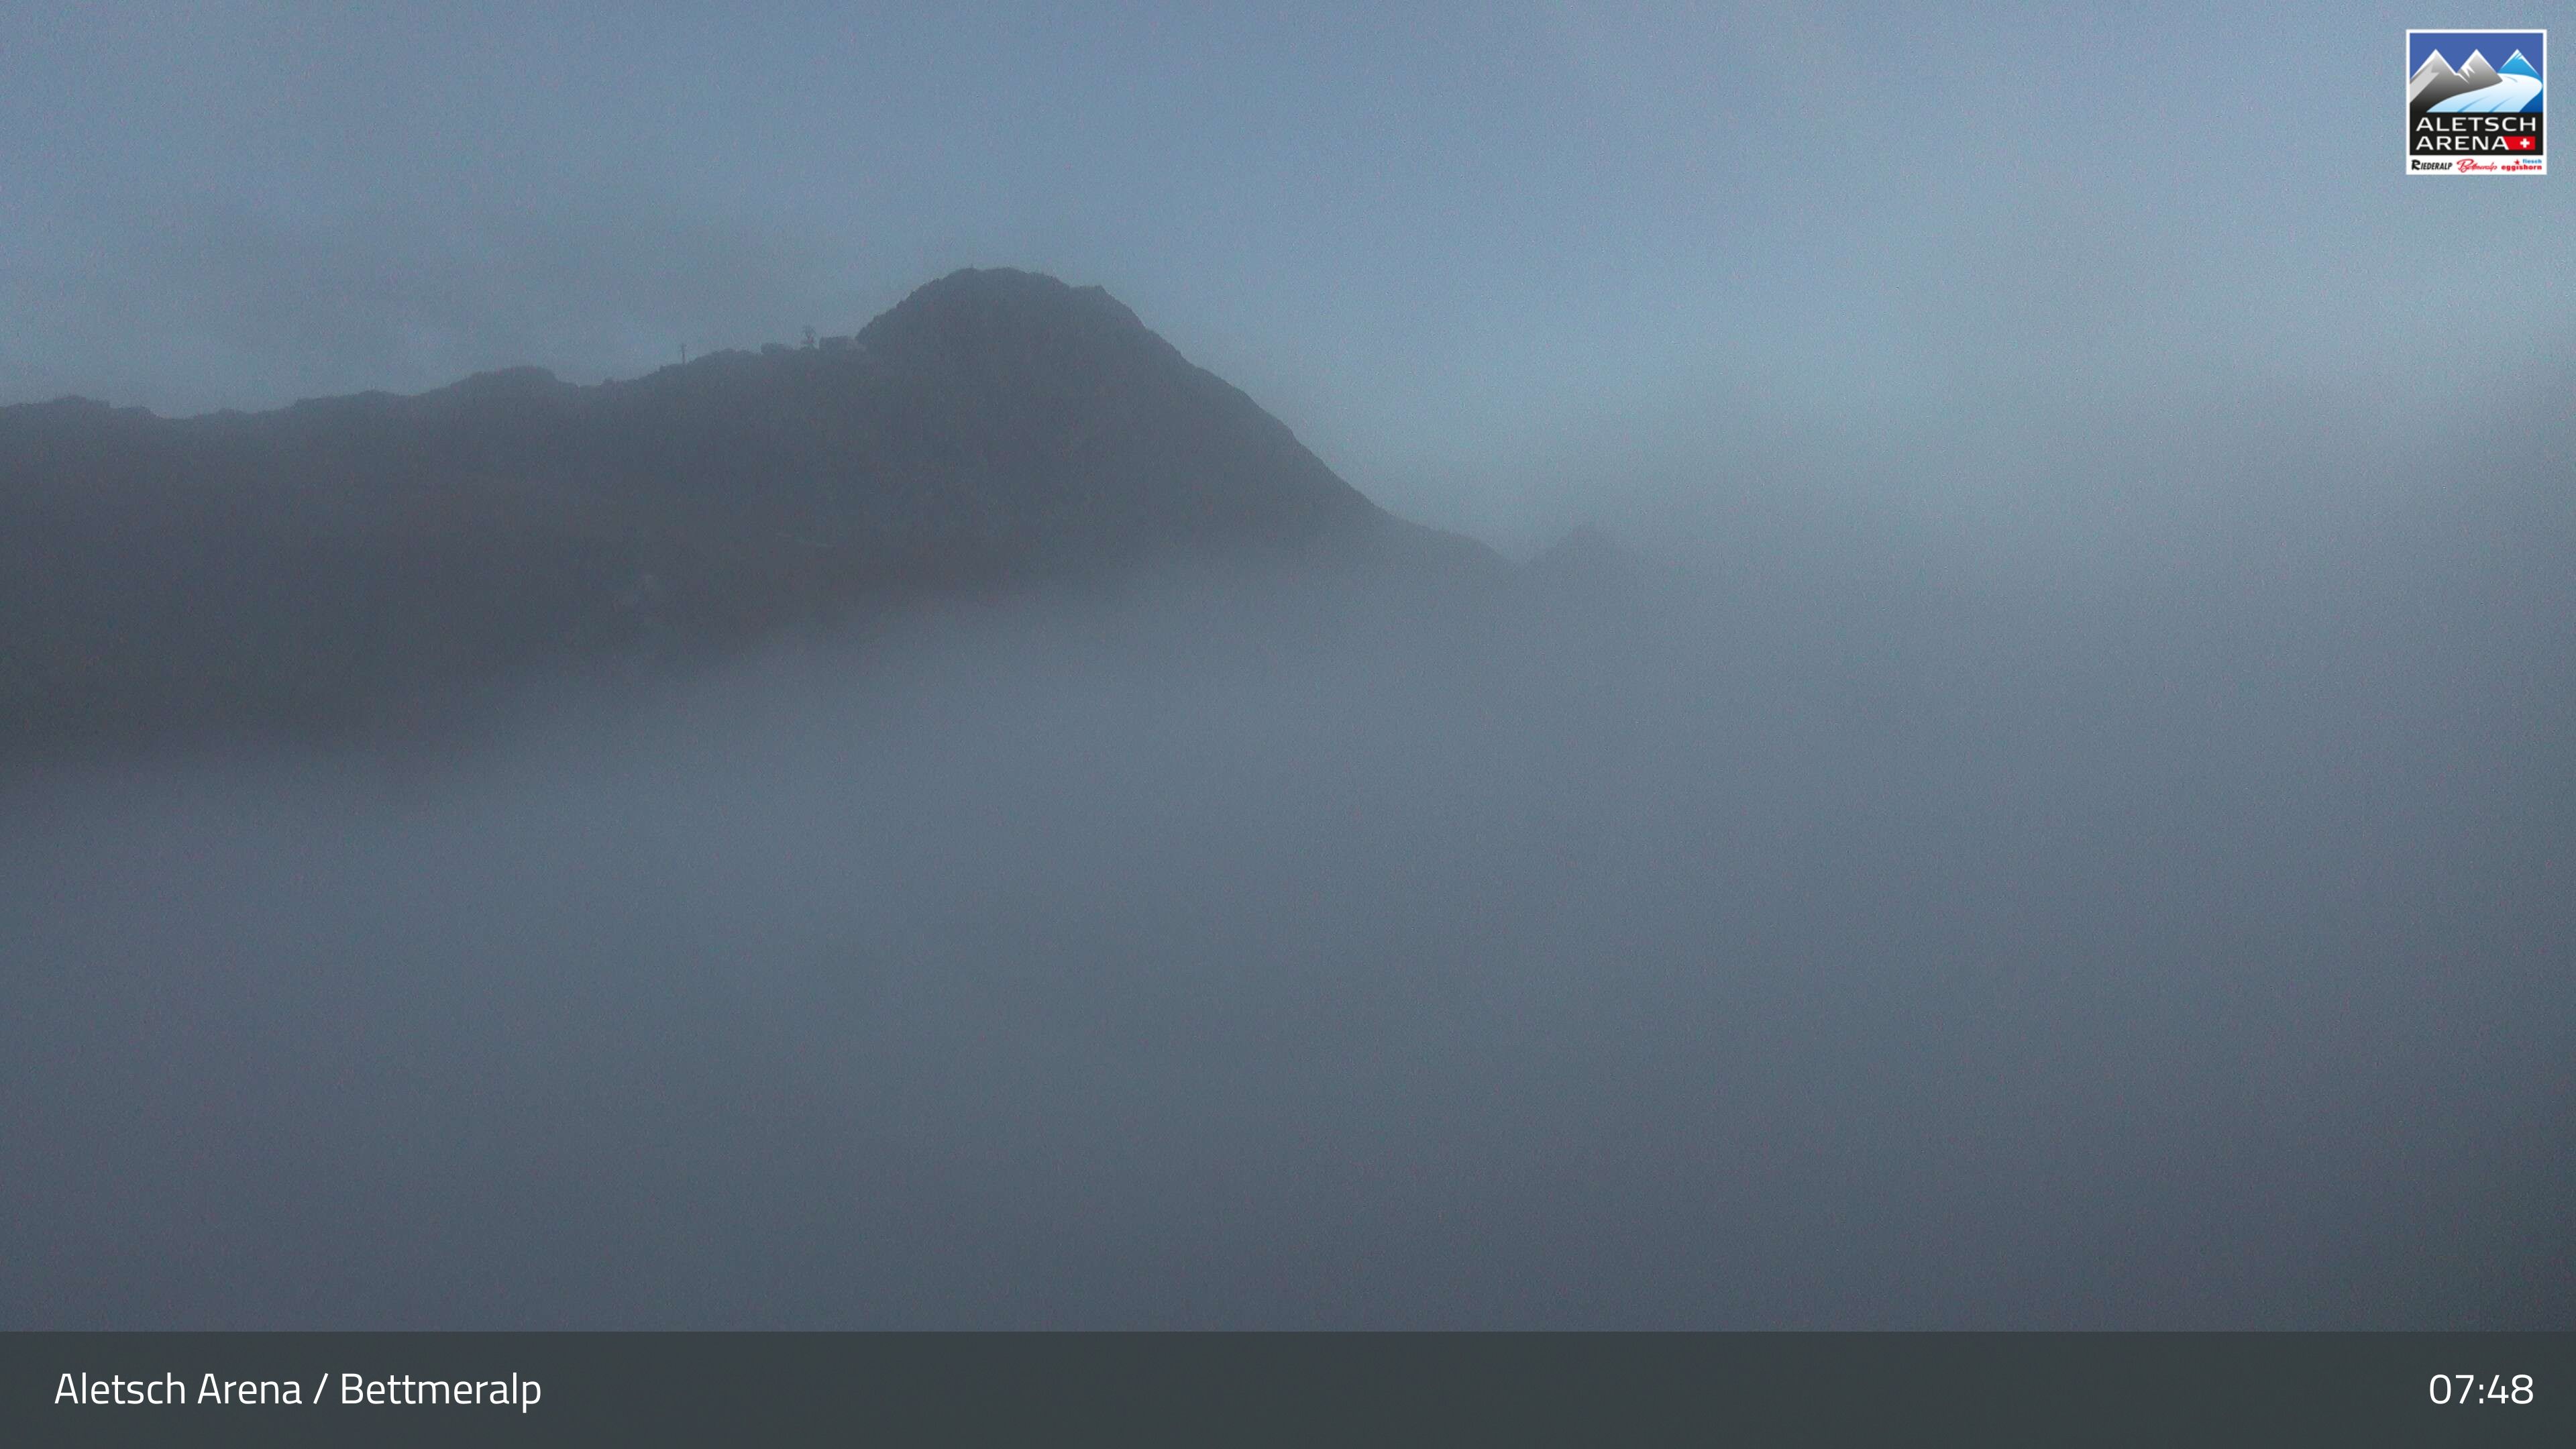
x: 2478, y: 86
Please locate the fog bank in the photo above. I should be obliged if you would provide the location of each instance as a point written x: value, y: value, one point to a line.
x: 1846, y: 950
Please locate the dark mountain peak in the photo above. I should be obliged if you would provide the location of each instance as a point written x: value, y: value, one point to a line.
x: 1009, y: 289
x: 1052, y: 413
x: 1001, y: 312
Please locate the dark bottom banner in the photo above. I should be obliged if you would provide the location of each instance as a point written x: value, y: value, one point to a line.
x: 1216, y: 1389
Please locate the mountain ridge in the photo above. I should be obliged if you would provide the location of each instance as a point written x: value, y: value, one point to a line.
x: 328, y: 562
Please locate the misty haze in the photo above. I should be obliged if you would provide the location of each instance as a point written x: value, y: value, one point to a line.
x: 2011, y: 766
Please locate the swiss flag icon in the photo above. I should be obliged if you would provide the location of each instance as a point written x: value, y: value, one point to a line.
x: 2521, y: 143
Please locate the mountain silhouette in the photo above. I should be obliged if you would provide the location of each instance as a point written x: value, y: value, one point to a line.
x: 352, y: 560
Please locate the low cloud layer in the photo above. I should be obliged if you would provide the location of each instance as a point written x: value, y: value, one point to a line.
x: 1854, y: 951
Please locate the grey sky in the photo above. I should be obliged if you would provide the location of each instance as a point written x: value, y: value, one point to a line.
x: 1501, y: 267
